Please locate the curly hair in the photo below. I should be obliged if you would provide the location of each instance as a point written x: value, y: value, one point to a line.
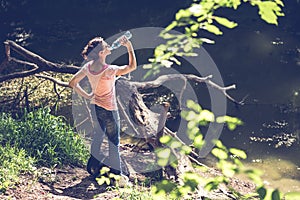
x: 91, y: 50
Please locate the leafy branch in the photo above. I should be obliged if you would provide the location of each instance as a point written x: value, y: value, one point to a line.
x: 199, y: 18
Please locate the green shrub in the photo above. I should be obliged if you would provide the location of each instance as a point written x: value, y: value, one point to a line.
x: 13, y: 162
x: 45, y: 137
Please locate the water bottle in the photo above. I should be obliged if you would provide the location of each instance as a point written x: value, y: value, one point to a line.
x: 116, y: 44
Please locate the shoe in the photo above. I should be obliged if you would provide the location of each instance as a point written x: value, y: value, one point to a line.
x: 94, y: 166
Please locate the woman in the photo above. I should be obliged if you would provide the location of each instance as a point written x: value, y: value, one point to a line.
x: 102, y: 77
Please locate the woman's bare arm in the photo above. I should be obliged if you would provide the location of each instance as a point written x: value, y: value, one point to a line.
x: 74, y: 83
x: 131, y: 56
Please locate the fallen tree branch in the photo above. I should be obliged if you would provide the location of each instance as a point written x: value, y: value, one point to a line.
x: 33, y: 60
x: 21, y: 74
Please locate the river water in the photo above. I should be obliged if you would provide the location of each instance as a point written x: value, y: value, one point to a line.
x: 262, y: 60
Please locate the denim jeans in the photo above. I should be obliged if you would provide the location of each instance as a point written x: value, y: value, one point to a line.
x: 109, y: 122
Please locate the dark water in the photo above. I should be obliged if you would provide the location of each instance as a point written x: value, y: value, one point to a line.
x: 262, y: 60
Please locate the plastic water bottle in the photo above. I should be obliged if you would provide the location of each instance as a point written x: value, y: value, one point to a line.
x: 116, y: 44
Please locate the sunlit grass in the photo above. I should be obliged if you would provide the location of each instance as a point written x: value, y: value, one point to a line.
x: 37, y: 139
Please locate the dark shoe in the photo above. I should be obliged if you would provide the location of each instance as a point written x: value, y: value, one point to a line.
x: 93, y: 166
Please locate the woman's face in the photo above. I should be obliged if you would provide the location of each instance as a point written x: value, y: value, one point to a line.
x: 106, y: 49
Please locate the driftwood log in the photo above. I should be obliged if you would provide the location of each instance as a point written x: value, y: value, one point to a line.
x: 140, y: 119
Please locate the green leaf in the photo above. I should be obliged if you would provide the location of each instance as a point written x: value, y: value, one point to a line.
x: 225, y: 22
x: 192, y: 124
x: 195, y: 27
x: 236, y: 3
x: 292, y: 196
x: 219, y: 144
x: 234, y: 120
x: 275, y: 195
x: 208, y: 6
x: 193, y: 105
x: 191, y: 115
x: 187, y: 47
x: 231, y: 126
x: 192, y: 180
x: 168, y: 36
x: 182, y: 14
x: 255, y: 176
x: 238, y: 152
x: 162, y: 162
x: 198, y: 141
x: 229, y: 172
x: 262, y: 192
x: 175, y: 144
x: 213, y: 29
x: 166, y: 186
x: 159, y: 50
x: 219, y: 153
x: 164, y: 153
x: 212, y: 185
x: 165, y: 139
x: 269, y: 10
x: 186, y: 150
x: 101, y: 180
x: 279, y: 2
x: 206, y: 115
x: 192, y: 132
x: 170, y: 27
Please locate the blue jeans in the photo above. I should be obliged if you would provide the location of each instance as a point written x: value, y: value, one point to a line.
x: 109, y: 122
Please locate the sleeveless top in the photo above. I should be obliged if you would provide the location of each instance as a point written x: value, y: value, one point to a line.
x: 103, y: 85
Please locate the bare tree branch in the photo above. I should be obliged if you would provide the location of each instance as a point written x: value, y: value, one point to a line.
x: 22, y: 74
x: 54, y: 80
x: 172, y: 77
x: 33, y: 60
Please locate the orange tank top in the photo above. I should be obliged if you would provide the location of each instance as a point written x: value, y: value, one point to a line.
x: 103, y: 85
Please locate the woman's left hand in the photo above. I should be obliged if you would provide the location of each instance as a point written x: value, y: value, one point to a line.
x: 125, y: 42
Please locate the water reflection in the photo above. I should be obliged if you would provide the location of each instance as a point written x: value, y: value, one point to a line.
x: 278, y: 173
x: 20, y: 35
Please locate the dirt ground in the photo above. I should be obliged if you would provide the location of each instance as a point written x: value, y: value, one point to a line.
x: 60, y: 184
x: 73, y: 183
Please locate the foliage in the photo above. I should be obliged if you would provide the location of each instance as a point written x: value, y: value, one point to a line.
x: 134, y: 192
x: 43, y: 136
x: 198, y: 19
x: 229, y: 161
x: 131, y: 192
x: 13, y: 162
